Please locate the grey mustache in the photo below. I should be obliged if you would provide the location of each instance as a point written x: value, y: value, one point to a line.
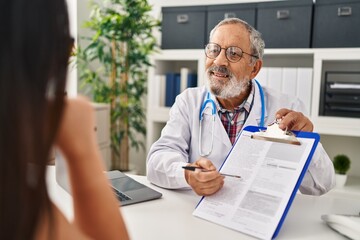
x: 222, y: 70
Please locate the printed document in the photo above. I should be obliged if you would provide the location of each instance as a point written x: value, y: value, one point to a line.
x: 255, y: 203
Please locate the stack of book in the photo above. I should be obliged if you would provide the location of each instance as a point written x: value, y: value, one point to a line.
x: 168, y: 86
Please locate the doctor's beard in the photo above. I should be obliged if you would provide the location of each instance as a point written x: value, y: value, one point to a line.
x: 229, y: 89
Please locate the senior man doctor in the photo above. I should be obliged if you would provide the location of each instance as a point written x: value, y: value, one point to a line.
x: 234, y: 100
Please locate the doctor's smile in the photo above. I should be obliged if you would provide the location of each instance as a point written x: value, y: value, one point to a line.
x: 219, y: 72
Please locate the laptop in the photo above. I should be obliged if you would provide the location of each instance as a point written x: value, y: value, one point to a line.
x: 127, y: 190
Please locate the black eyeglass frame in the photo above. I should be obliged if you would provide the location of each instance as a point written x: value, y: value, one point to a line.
x: 226, y: 55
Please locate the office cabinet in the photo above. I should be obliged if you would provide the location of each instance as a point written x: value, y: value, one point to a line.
x: 183, y: 27
x: 285, y: 24
x: 102, y: 129
x: 216, y: 13
x: 336, y: 23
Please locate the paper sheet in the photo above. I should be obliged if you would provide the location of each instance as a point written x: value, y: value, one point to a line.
x: 255, y: 203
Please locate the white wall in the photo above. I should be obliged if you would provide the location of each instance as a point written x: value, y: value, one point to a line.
x: 349, y: 146
x: 71, y: 86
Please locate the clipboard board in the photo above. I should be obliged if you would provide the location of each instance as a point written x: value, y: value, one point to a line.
x: 214, y: 208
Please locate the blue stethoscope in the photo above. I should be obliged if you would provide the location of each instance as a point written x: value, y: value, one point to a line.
x: 210, y: 103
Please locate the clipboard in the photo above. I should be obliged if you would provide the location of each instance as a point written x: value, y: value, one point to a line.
x: 298, y: 134
x: 310, y: 141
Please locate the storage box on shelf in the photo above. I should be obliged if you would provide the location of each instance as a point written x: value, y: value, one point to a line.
x: 285, y: 24
x: 183, y: 27
x: 336, y: 23
x: 216, y: 13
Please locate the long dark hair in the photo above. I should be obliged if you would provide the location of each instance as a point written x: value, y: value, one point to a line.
x: 34, y: 51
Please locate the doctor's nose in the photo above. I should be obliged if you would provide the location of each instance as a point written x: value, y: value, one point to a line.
x: 221, y: 59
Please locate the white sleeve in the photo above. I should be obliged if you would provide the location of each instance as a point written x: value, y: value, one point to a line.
x: 320, y: 177
x: 167, y: 155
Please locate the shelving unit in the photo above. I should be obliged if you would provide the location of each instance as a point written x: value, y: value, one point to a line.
x: 318, y: 59
x: 336, y: 59
x: 338, y: 134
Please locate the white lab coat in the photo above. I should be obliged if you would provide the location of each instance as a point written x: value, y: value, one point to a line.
x: 179, y: 141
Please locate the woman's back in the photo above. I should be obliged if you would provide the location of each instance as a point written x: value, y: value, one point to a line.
x: 35, y: 46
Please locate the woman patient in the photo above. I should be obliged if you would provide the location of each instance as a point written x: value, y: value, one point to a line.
x: 35, y: 115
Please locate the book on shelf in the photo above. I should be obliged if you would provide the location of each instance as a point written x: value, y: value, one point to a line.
x: 291, y: 81
x: 262, y: 76
x: 289, y: 78
x: 183, y: 78
x: 192, y: 80
x: 304, y: 86
x: 188, y: 79
x: 178, y: 82
x: 159, y: 91
x: 172, y: 88
x: 275, y: 78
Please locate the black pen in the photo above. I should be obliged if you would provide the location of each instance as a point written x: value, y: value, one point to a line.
x: 193, y: 168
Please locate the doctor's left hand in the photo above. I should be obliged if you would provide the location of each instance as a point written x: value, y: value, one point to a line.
x: 294, y: 120
x: 205, y: 181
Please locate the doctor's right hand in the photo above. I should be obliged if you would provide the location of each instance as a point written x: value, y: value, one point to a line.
x: 205, y: 181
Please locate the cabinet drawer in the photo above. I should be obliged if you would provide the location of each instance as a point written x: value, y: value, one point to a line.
x: 105, y: 152
x: 285, y: 24
x: 183, y: 27
x: 336, y: 23
x: 216, y: 13
x: 102, y: 121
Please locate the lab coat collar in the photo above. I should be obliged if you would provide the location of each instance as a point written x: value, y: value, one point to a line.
x: 254, y: 117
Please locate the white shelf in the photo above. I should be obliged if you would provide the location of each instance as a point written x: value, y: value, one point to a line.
x: 289, y: 51
x: 158, y: 114
x: 332, y: 125
x: 178, y: 55
x: 337, y: 126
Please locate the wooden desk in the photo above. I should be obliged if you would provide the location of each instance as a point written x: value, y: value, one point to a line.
x: 171, y: 216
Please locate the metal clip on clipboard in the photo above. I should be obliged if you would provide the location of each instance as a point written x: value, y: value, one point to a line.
x: 275, y: 134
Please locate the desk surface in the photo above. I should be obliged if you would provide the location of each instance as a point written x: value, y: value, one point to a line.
x: 171, y: 216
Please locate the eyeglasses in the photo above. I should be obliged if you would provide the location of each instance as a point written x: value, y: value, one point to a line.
x: 233, y: 54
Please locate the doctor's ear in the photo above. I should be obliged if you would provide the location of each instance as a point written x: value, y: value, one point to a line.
x: 256, y: 68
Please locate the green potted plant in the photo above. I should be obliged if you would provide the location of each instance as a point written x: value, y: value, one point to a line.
x: 341, y: 165
x: 113, y: 68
